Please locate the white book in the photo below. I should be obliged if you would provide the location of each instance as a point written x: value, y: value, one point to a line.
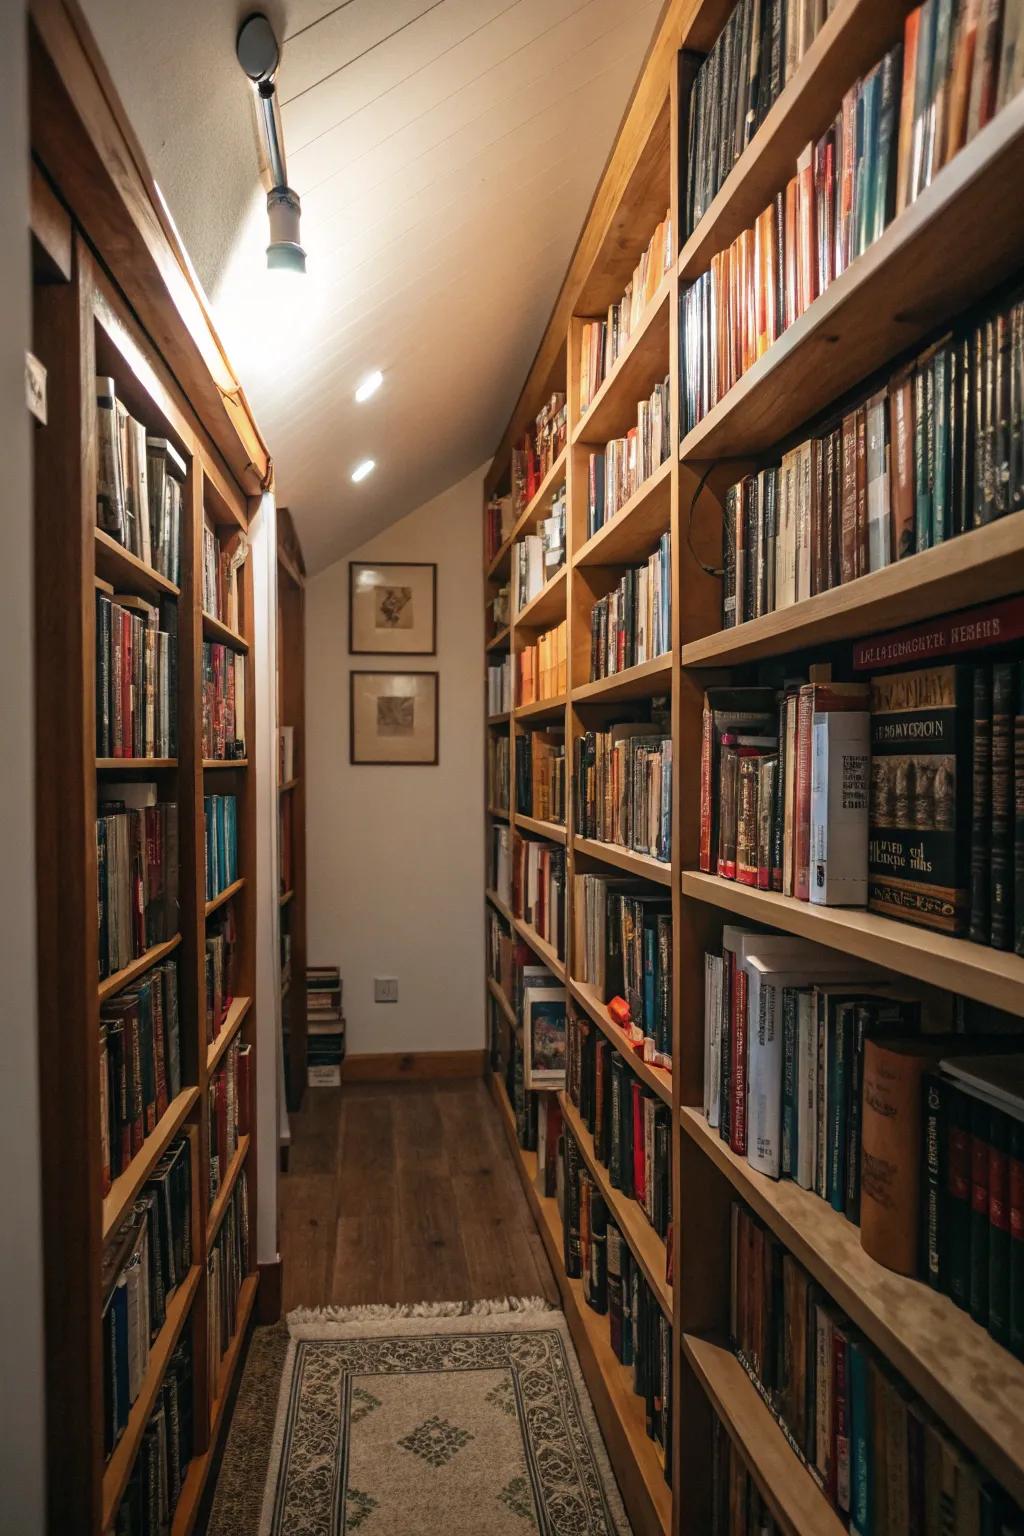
x: 805, y: 490
x: 880, y: 551
x: 840, y: 777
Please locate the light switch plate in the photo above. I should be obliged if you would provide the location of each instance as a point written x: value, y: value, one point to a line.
x: 385, y: 989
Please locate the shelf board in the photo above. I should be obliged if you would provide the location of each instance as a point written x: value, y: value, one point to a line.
x: 498, y: 905
x: 543, y: 709
x: 620, y: 1412
x: 237, y: 1010
x: 850, y: 42
x: 643, y: 681
x: 550, y: 829
x: 655, y: 1077
x: 888, y: 299
x: 634, y: 531
x: 285, y: 897
x: 797, y: 1504
x: 499, y: 815
x: 501, y: 719
x: 643, y: 364
x: 974, y: 970
x: 499, y: 640
x: 126, y: 571
x: 135, y: 764
x: 216, y: 630
x: 548, y: 607
x: 225, y: 762
x: 624, y: 858
x: 129, y: 973
x: 976, y: 567
x: 541, y: 948
x: 498, y: 993
x: 220, y: 1202
x: 287, y: 786
x: 126, y: 1186
x: 646, y: 1246
x: 225, y: 895
x: 974, y: 1385
x: 119, y: 1467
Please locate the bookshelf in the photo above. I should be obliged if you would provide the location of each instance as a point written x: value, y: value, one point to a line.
x: 937, y: 258
x: 96, y: 313
x: 291, y: 711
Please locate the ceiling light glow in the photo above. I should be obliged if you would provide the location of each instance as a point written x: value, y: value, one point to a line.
x: 362, y: 470
x: 369, y: 385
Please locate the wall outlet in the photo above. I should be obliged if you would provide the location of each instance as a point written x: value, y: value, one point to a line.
x: 385, y: 989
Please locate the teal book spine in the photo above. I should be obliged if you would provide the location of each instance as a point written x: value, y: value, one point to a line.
x: 861, y: 1523
x: 837, y: 1068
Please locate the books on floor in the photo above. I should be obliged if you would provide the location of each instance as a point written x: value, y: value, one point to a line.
x: 325, y: 1026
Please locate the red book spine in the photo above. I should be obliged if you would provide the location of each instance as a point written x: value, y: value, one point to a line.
x: 639, y: 1181
x: 738, y: 1124
x: 839, y: 1462
x: 706, y: 753
x: 802, y: 796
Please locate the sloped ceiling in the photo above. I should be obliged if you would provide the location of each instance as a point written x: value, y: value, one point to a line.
x: 445, y: 152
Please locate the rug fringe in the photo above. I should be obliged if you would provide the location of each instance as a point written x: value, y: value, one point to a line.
x: 304, y: 1316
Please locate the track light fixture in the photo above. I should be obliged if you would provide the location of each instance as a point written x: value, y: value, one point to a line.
x: 259, y: 55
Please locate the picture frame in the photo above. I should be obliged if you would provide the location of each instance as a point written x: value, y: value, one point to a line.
x: 392, y: 608
x: 544, y: 1019
x: 394, y: 719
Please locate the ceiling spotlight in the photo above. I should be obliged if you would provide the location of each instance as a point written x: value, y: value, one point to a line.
x: 362, y: 470
x: 369, y: 386
x: 259, y: 55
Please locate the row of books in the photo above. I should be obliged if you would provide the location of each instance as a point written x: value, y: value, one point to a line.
x: 325, y: 1026
x: 623, y: 782
x: 596, y: 1253
x: 227, y: 1265
x: 501, y: 606
x: 534, y: 456
x: 602, y: 342
x: 538, y: 888
x: 933, y: 454
x: 140, y: 1065
x: 537, y: 557
x: 144, y: 1262
x: 540, y: 775
x: 738, y: 1507
x: 498, y: 772
x: 223, y: 702
x: 139, y: 481
x: 753, y: 58
x: 542, y: 669
x: 221, y: 946
x: 499, y: 686
x: 499, y: 863
x: 220, y: 815
x: 224, y: 555
x: 168, y: 1442
x: 632, y: 623
x: 621, y: 468
x: 137, y: 873
x: 499, y: 520
x: 631, y: 1127
x: 622, y: 947
x: 229, y: 1098
x: 136, y: 676
x: 882, y: 1459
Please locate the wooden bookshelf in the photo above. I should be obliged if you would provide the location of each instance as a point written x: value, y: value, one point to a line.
x: 638, y: 682
x: 223, y: 897
x: 541, y: 948
x: 543, y: 709
x: 655, y: 1077
x: 627, y: 859
x: 547, y: 608
x: 122, y: 305
x: 291, y: 710
x: 552, y: 830
x: 627, y: 537
x: 644, y: 362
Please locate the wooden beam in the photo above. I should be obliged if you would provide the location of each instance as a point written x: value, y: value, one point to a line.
x: 50, y: 224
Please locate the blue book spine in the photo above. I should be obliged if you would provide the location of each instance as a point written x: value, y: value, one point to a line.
x: 650, y: 973
x: 222, y: 843
x: 121, y: 1398
x: 860, y: 1441
x: 836, y: 1117
x: 208, y: 819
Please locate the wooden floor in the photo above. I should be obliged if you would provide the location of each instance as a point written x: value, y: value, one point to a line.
x: 405, y: 1192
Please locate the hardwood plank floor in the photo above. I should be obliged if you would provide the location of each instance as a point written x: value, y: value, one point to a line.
x: 403, y: 1192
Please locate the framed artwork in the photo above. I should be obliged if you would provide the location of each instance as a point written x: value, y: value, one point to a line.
x: 392, y: 609
x: 544, y: 1037
x: 393, y: 718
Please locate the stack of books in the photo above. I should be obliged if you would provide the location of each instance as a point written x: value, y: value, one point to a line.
x: 325, y: 1026
x: 139, y: 484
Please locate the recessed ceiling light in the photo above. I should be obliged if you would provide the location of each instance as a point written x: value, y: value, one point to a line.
x: 369, y: 385
x: 362, y: 470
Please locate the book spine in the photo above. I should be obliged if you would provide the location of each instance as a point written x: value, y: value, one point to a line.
x: 981, y: 804
x: 999, y: 1229
x: 738, y: 1072
x: 1001, y: 851
x: 802, y: 797
x: 1015, y: 1194
x: 979, y: 1218
x: 932, y: 1269
x: 1018, y: 811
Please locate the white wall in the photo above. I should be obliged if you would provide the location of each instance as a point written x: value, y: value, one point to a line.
x: 395, y: 855
x: 21, y: 1277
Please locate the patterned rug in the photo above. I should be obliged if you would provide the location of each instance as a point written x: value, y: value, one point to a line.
x: 470, y: 1419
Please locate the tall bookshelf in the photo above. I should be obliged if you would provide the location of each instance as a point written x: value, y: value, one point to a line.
x: 84, y: 325
x: 934, y: 260
x: 291, y: 711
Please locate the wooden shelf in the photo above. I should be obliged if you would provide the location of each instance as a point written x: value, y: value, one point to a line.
x: 225, y: 895
x: 644, y: 363
x: 498, y: 905
x: 126, y: 1186
x: 552, y: 830
x: 543, y: 709
x: 126, y: 571
x: 119, y: 1467
x: 643, y: 681
x: 129, y: 973
x: 237, y: 1010
x: 221, y: 633
x: 891, y: 297
x: 548, y: 607
x: 498, y: 993
x: 640, y: 864
x: 797, y: 1504
x: 974, y: 970
x: 284, y: 898
x: 619, y: 1411
x: 646, y: 1246
x: 533, y: 513
x: 974, y: 1385
x: 287, y: 787
x: 135, y: 764
x: 976, y: 567
x: 499, y: 640
x: 850, y: 42
x: 656, y: 1078
x: 220, y: 1202
x: 633, y: 533
x: 501, y: 719
x: 224, y: 762
x: 541, y: 948
x: 499, y: 815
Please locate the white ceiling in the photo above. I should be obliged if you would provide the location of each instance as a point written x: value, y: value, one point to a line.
x: 445, y: 152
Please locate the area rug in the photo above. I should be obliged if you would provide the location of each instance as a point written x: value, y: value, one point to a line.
x: 468, y: 1419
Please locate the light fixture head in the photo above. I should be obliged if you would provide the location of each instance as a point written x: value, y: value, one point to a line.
x: 364, y: 468
x: 369, y: 386
x: 284, y: 253
x: 257, y: 50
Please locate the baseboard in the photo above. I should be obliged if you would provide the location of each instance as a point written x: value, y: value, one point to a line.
x: 412, y: 1066
x: 268, y: 1296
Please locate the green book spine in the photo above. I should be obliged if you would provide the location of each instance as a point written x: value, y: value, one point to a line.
x: 940, y: 482
x: 837, y: 1073
x: 922, y: 477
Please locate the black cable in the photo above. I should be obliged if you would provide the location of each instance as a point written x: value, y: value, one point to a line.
x: 709, y: 570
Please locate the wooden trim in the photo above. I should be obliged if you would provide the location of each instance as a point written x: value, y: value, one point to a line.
x: 412, y: 1066
x: 633, y: 863
x: 552, y: 830
x: 50, y: 224
x: 639, y: 682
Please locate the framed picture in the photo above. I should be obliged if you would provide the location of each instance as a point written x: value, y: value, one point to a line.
x: 544, y: 1037
x: 393, y: 718
x: 392, y: 609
